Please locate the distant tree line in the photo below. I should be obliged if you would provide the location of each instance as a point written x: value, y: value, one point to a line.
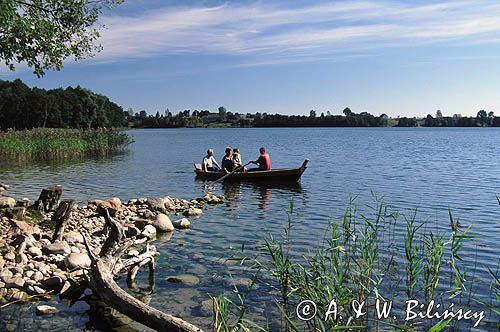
x: 188, y: 118
x: 349, y: 119
x: 22, y: 107
x: 482, y: 119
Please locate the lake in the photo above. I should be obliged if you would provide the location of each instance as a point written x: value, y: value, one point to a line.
x: 428, y: 169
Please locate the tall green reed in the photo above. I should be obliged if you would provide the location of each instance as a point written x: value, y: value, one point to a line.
x: 347, y: 266
x: 46, y: 143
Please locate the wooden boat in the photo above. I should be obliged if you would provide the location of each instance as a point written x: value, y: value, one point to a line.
x: 274, y: 175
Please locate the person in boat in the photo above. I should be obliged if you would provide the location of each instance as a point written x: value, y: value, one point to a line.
x: 209, y: 163
x: 227, y: 161
x: 237, y: 160
x: 264, y: 161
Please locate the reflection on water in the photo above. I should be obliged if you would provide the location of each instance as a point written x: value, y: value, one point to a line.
x: 431, y: 169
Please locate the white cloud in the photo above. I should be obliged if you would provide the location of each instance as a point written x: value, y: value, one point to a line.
x: 274, y: 33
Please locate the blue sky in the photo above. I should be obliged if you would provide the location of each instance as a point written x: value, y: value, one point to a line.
x: 402, y: 58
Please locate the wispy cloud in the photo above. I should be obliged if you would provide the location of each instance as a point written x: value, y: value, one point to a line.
x: 263, y: 33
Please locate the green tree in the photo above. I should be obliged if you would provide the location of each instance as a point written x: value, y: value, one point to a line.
x: 429, y: 121
x: 43, y: 33
x: 222, y: 113
x: 482, y: 114
x: 347, y: 111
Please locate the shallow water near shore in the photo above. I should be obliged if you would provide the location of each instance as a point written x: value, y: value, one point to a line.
x: 429, y: 169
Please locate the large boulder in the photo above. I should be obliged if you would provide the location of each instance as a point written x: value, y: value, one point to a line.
x: 7, y: 202
x: 163, y: 223
x: 77, y: 260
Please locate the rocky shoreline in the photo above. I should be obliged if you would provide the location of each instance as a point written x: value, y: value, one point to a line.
x: 33, y: 265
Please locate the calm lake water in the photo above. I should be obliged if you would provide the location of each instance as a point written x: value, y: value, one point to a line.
x: 427, y: 169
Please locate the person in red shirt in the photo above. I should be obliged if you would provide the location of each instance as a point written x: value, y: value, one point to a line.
x: 264, y: 161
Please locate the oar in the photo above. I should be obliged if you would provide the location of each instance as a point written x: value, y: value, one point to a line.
x: 228, y: 174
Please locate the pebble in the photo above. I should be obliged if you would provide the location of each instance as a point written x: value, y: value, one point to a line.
x: 77, y: 260
x: 186, y: 279
x: 182, y: 223
x: 7, y: 202
x: 207, y: 307
x: 17, y: 270
x: 149, y: 231
x: 15, y: 283
x: 132, y: 231
x: 21, y: 258
x: 6, y: 274
x: 35, y: 251
x: 45, y: 309
x: 42, y: 265
x: 73, y: 237
x: 147, y: 214
x: 38, y: 290
x: 133, y: 253
x: 10, y: 256
x: 61, y: 247
x: 53, y: 282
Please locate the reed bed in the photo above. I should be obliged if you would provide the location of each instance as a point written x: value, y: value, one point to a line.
x: 359, y: 261
x: 44, y: 143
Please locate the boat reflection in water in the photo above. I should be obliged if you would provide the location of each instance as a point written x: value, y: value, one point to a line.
x: 257, y: 193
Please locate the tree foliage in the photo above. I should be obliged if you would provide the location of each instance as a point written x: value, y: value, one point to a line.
x: 25, y: 108
x: 43, y: 33
x: 482, y: 119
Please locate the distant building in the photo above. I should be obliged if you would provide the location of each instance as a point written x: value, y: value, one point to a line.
x: 457, y: 116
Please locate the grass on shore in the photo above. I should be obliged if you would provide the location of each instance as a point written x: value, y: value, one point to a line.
x: 44, y: 143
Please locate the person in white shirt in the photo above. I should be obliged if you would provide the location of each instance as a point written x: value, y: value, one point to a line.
x: 209, y: 163
x: 237, y: 157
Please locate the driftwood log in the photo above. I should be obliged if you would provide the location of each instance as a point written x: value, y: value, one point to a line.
x: 109, y: 262
x: 49, y: 198
x: 61, y: 215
